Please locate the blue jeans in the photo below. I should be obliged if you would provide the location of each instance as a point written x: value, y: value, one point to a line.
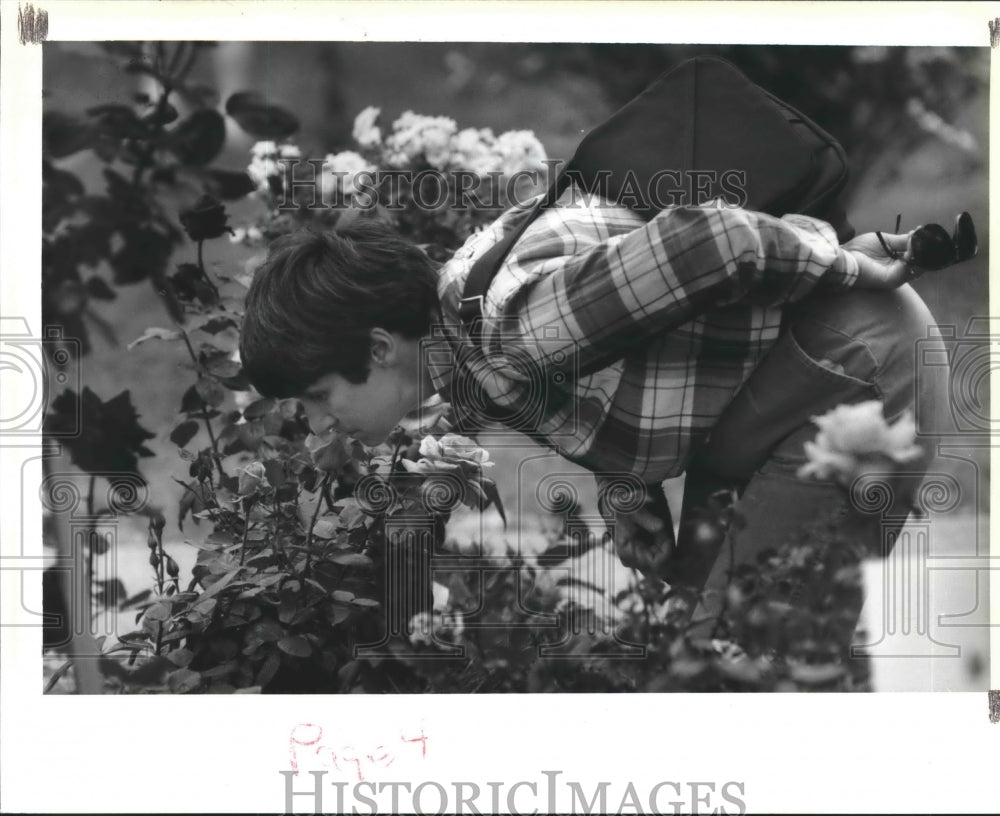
x: 836, y: 349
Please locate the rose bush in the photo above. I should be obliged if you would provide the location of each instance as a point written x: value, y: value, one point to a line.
x: 314, y: 559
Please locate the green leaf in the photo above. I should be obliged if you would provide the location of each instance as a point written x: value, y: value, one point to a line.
x: 351, y: 515
x: 287, y: 610
x: 183, y: 681
x: 108, y: 592
x: 213, y: 322
x: 325, y: 528
x: 210, y: 391
x: 353, y: 560
x: 134, y: 638
x: 819, y: 675
x: 742, y: 670
x: 254, y: 115
x: 267, y: 630
x: 181, y: 657
x: 158, y: 612
x: 199, y: 138
x: 316, y: 585
x: 220, y: 585
x: 259, y: 408
x: 178, y: 634
x: 493, y: 495
x: 268, y: 669
x: 63, y: 135
x: 98, y: 288
x: 152, y: 671
x: 228, y: 185
x: 224, y: 368
x: 154, y: 334
x: 337, y: 614
x: 367, y: 603
x: 296, y: 646
x: 184, y: 433
x: 342, y: 595
x: 206, y: 606
x: 222, y: 670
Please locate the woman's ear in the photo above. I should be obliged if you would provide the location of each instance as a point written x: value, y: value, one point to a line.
x: 383, y: 347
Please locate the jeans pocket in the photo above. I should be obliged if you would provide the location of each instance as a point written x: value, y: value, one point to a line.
x: 826, y: 352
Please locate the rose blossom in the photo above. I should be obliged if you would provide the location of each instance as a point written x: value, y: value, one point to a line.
x: 853, y: 437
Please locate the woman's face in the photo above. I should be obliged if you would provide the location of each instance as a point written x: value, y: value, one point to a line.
x: 370, y: 410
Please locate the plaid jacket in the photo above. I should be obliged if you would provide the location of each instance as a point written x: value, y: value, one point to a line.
x: 619, y: 342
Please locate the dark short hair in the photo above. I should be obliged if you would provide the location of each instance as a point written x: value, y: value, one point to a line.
x: 313, y: 303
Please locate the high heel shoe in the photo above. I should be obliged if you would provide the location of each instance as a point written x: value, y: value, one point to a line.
x: 931, y: 248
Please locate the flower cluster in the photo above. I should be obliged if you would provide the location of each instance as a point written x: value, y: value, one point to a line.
x: 440, y: 620
x: 436, y: 141
x: 264, y: 168
x: 366, y: 133
x: 415, y: 137
x: 855, y: 438
x: 340, y: 173
x: 414, y: 172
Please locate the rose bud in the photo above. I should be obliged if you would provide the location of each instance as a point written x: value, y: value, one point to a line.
x: 157, y: 522
x: 252, y: 479
x: 207, y: 219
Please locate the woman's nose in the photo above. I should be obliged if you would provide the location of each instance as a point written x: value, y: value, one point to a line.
x: 319, y: 420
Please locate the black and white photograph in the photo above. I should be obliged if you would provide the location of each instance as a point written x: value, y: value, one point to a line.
x: 448, y: 370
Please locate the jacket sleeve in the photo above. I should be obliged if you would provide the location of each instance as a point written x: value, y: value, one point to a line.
x: 615, y: 293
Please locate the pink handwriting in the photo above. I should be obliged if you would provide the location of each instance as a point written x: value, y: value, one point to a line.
x: 307, y: 738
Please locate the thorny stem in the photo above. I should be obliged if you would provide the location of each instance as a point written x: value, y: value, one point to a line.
x: 729, y: 580
x: 159, y: 583
x: 246, y: 531
x: 217, y: 458
x: 395, y: 457
x: 143, y: 160
x: 312, y: 524
x: 204, y: 272
x: 645, y: 604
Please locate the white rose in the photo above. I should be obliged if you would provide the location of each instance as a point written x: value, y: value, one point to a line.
x: 455, y: 446
x: 853, y: 437
x: 264, y: 162
x: 476, y: 150
x: 421, y: 628
x: 264, y: 149
x: 520, y: 150
x: 365, y: 132
x: 340, y: 171
x: 415, y: 135
x: 441, y: 594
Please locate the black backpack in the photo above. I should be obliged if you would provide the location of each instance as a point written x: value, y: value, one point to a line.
x: 703, y: 117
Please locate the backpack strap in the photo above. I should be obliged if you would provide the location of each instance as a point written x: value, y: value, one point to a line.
x: 486, y: 267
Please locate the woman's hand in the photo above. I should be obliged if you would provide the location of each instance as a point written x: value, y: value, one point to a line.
x: 878, y: 270
x: 644, y: 537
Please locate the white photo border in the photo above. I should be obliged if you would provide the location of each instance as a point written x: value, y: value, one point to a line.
x: 832, y: 753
